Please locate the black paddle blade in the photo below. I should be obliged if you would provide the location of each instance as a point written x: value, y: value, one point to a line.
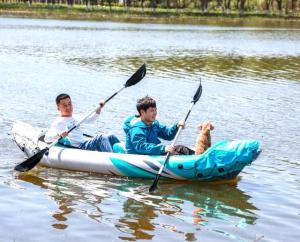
x: 154, y: 184
x: 198, y: 93
x: 137, y: 76
x: 31, y: 161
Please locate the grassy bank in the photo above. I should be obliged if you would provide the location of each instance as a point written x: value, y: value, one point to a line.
x: 160, y: 15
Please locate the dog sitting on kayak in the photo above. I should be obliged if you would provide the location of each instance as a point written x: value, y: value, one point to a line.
x: 203, y: 141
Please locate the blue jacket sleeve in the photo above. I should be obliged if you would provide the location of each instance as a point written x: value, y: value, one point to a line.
x: 141, y: 146
x: 167, y: 133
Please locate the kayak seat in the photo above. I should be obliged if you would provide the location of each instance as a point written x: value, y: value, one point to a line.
x: 65, y: 143
x: 119, y: 148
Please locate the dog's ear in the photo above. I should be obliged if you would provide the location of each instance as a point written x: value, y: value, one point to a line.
x: 211, y: 127
x: 200, y: 126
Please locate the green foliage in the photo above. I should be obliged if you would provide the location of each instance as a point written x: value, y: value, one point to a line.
x: 151, y: 8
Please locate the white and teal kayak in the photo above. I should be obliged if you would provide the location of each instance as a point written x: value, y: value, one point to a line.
x: 224, y: 160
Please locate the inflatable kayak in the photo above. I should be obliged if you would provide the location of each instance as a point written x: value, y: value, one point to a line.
x: 224, y: 160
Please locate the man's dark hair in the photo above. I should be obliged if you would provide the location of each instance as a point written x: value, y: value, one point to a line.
x: 61, y: 97
x: 145, y: 103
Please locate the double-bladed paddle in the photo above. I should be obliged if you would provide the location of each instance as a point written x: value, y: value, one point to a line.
x: 32, y: 161
x: 195, y: 99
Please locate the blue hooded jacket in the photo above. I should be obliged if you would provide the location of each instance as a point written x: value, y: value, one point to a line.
x: 143, y: 139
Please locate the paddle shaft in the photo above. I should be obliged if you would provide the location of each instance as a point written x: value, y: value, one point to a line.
x: 32, y: 161
x: 35, y: 159
x: 82, y: 120
x: 172, y: 144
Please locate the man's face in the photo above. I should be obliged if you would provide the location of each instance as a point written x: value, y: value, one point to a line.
x: 65, y: 107
x: 149, y: 115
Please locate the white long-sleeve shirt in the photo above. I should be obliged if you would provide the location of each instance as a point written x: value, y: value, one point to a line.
x: 62, y: 124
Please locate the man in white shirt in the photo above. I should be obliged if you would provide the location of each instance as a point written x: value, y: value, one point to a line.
x: 61, y: 125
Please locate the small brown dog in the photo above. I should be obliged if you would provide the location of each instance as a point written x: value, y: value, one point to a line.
x: 203, y: 141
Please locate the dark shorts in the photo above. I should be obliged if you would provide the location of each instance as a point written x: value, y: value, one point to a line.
x: 183, y: 150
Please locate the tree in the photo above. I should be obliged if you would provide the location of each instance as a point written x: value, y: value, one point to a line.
x: 242, y: 6
x: 268, y: 5
x: 153, y: 5
x: 204, y: 5
x: 109, y: 2
x: 279, y: 6
x: 227, y: 5
x: 142, y: 5
x: 70, y: 3
x: 294, y: 7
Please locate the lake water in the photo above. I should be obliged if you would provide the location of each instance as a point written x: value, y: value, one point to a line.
x: 251, y: 89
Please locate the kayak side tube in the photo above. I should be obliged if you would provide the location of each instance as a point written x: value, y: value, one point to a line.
x: 224, y: 160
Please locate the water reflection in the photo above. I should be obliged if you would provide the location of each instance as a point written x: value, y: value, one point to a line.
x: 141, y: 213
x: 137, y: 221
x: 210, y: 65
x: 242, y: 68
x: 64, y: 202
x: 251, y: 80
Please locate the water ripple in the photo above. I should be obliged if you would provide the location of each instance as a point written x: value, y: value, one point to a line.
x: 250, y: 81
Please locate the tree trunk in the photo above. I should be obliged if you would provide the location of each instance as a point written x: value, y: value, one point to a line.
x: 142, y: 5
x: 153, y: 5
x: 279, y: 6
x: 227, y: 4
x: 168, y: 3
x: 109, y: 2
x: 286, y: 7
x: 204, y: 6
x: 294, y: 7
x: 267, y: 5
x: 272, y: 6
x: 87, y: 4
x: 70, y: 3
x: 222, y: 4
x: 176, y: 5
x: 242, y: 6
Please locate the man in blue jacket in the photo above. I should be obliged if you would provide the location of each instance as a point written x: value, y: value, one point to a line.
x: 143, y: 132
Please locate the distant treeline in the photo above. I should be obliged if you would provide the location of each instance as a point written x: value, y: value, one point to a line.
x: 269, y: 7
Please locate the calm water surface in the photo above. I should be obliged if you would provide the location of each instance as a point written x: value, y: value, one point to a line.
x: 251, y: 89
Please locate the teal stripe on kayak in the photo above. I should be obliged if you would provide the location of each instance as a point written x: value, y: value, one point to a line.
x: 131, y: 170
x: 183, y: 166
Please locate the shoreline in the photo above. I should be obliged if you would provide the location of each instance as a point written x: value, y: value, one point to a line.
x: 138, y: 16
